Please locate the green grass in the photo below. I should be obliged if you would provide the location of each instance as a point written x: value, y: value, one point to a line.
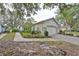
x: 75, y: 34
x: 8, y: 37
x: 72, y: 33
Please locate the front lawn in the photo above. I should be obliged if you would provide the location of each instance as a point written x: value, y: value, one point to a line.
x: 72, y: 33
x: 8, y: 37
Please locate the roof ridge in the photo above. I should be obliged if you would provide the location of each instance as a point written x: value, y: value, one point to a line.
x: 44, y: 20
x: 47, y: 20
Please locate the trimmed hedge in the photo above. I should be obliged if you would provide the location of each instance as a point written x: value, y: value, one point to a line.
x: 30, y: 35
x: 26, y: 35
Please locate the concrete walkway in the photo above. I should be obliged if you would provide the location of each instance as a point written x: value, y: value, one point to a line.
x: 2, y: 35
x: 18, y: 37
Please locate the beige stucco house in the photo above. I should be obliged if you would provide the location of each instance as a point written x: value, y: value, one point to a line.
x: 49, y: 25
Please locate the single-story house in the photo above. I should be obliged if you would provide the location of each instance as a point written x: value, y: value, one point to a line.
x: 49, y: 25
x: 2, y: 28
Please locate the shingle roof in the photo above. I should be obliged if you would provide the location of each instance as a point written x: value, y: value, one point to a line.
x: 46, y: 20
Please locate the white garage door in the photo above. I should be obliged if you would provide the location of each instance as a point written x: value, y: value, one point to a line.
x: 51, y: 30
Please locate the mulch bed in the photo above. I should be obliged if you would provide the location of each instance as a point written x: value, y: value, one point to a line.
x: 11, y: 48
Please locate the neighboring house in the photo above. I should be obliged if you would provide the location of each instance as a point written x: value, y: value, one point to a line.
x: 64, y: 25
x: 2, y: 28
x: 49, y: 25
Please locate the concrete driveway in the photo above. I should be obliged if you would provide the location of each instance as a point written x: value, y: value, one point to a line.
x: 71, y: 39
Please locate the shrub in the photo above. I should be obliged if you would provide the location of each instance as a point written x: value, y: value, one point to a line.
x: 15, y: 30
x: 30, y: 35
x: 7, y: 31
x: 46, y: 33
x: 35, y: 32
x: 62, y: 31
x: 26, y: 35
x: 39, y: 35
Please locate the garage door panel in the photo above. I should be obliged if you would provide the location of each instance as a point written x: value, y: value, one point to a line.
x: 51, y: 30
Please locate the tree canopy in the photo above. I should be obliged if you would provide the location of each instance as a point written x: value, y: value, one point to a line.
x: 13, y: 13
x: 70, y: 13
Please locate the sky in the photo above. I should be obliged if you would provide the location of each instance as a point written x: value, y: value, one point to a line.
x: 44, y: 14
